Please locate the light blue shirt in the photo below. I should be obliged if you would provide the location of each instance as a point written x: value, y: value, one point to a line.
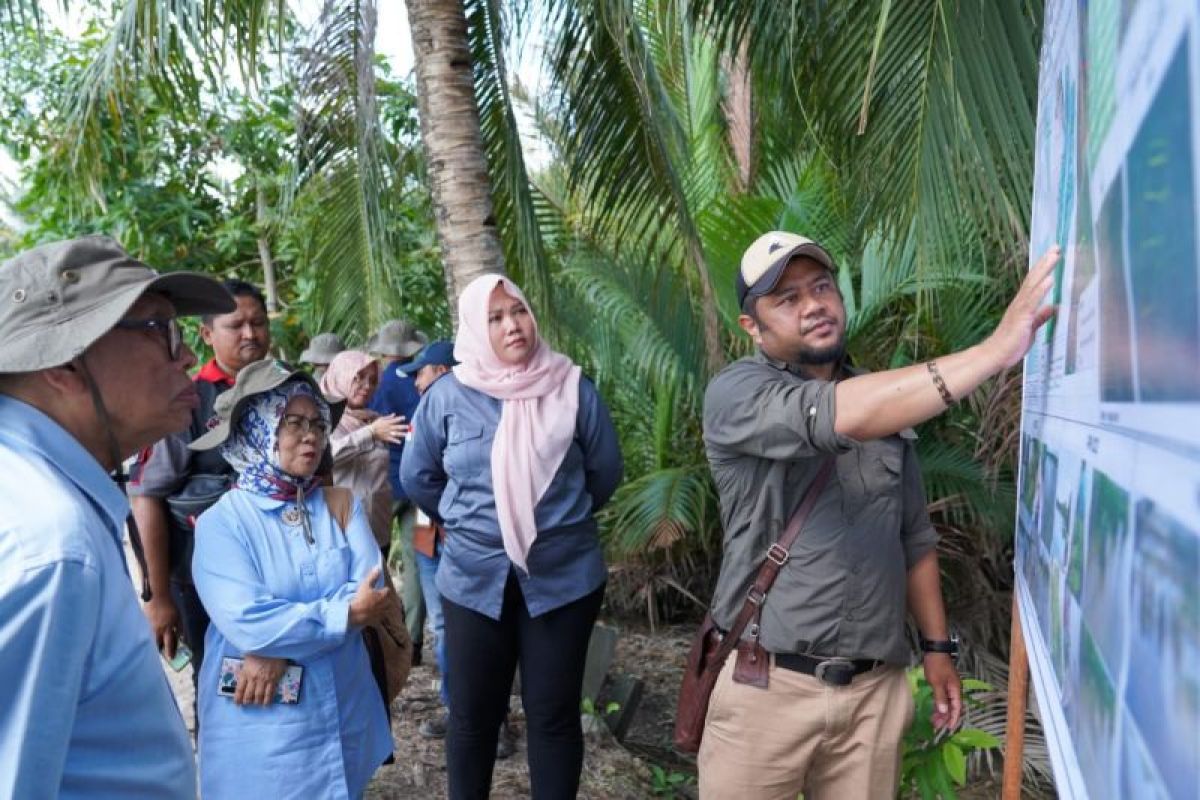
x: 270, y: 593
x: 85, y: 709
x: 447, y: 471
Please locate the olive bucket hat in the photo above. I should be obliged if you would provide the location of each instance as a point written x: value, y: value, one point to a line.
x: 322, y: 349
x: 57, y: 299
x: 397, y: 339
x: 253, y: 379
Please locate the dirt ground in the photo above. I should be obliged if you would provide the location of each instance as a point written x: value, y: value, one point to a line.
x: 610, y: 772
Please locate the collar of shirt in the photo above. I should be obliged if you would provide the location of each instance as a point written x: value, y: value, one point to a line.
x: 213, y: 373
x: 844, y: 368
x: 264, y: 502
x: 32, y: 431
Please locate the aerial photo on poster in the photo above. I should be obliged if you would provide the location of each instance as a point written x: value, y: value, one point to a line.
x: 1108, y: 526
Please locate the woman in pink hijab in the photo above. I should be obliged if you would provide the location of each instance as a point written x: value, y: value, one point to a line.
x: 513, y: 453
x: 359, y: 443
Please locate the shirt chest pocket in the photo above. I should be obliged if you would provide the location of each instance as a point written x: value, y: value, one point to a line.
x: 330, y: 570
x: 877, y: 478
x: 467, y: 450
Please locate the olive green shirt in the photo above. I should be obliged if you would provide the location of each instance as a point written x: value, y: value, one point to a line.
x: 767, y: 430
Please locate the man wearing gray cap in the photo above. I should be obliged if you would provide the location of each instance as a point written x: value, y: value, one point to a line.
x: 828, y: 545
x: 320, y: 352
x: 92, y: 369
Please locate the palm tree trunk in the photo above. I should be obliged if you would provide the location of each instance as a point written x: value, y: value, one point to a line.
x: 264, y: 250
x: 450, y: 132
x: 739, y: 115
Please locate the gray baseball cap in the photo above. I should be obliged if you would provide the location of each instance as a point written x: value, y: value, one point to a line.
x: 322, y: 349
x: 256, y: 378
x: 59, y: 298
x: 397, y: 338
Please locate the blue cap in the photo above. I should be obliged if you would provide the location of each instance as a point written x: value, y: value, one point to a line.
x: 440, y: 352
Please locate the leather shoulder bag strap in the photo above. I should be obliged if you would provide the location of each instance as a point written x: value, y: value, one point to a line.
x: 777, y: 555
x: 338, y: 499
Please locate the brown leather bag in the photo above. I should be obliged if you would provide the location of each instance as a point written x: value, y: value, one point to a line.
x: 388, y: 643
x: 710, y: 648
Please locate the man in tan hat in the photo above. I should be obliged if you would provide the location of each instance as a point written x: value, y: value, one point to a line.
x: 92, y: 369
x: 395, y: 344
x: 815, y: 699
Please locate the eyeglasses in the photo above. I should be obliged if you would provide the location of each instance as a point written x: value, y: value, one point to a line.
x: 169, y: 328
x: 299, y: 425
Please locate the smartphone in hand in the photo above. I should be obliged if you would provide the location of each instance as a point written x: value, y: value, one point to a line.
x: 183, y: 657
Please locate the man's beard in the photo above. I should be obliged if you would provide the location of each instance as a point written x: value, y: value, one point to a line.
x: 823, y: 355
x: 816, y: 356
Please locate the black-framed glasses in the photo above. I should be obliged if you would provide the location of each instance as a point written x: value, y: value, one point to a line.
x: 169, y: 328
x: 299, y: 425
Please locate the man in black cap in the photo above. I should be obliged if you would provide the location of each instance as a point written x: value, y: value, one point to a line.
x: 93, y: 368
x: 815, y: 699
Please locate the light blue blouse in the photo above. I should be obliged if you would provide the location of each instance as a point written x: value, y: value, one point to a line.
x: 271, y: 593
x: 447, y: 471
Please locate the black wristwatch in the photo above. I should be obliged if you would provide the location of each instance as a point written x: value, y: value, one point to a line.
x: 947, y: 646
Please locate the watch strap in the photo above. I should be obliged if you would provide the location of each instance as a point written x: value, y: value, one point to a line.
x: 949, y: 646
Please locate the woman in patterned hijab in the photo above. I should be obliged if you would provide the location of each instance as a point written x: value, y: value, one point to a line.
x: 288, y: 591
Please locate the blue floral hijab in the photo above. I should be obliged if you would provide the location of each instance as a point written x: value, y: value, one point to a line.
x: 252, y: 448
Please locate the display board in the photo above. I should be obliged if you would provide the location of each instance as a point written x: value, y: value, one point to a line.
x: 1108, y: 532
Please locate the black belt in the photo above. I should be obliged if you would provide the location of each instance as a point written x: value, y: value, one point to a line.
x: 833, y: 671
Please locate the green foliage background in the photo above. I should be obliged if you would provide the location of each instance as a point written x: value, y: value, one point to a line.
x: 897, y: 132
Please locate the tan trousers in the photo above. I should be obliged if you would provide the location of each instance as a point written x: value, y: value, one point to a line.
x: 800, y: 735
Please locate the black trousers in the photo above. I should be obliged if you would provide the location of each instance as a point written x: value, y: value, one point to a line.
x: 193, y: 620
x: 482, y: 654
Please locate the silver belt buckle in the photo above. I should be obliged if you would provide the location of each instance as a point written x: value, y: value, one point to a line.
x: 836, y: 671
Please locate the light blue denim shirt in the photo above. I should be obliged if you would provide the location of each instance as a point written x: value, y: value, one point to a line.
x: 85, y: 709
x: 271, y: 593
x: 447, y: 471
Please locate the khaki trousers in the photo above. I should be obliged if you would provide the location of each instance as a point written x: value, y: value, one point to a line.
x: 800, y: 735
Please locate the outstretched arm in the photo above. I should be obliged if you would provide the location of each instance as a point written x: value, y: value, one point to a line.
x: 883, y: 403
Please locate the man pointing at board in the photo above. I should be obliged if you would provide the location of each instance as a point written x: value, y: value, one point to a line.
x: 815, y: 698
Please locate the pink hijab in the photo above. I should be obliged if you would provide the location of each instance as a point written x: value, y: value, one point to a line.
x: 537, y: 419
x: 335, y: 384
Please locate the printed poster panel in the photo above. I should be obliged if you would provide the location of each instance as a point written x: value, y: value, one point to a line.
x: 1108, y: 531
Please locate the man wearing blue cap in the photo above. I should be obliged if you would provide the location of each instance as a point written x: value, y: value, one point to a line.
x: 395, y: 344
x: 432, y: 363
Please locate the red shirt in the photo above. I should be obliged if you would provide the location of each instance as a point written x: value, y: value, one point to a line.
x: 166, y: 466
x: 212, y: 372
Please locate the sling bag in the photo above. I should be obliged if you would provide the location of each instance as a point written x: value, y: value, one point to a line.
x: 387, y: 641
x: 710, y: 647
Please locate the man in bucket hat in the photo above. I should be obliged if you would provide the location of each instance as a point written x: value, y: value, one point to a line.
x: 320, y: 352
x: 396, y: 343
x: 815, y: 699
x: 92, y: 369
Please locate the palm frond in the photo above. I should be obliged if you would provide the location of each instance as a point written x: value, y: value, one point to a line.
x: 659, y: 509
x: 343, y: 167
x: 926, y: 111
x: 490, y: 24
x: 626, y: 142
